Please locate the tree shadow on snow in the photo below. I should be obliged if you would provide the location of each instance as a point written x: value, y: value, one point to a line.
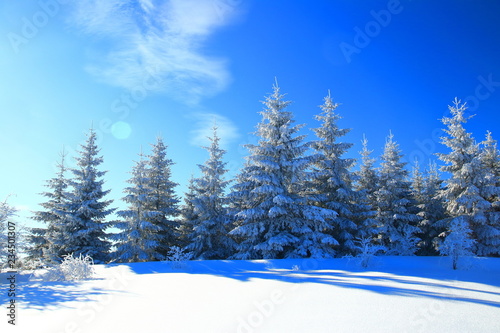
x: 41, y: 295
x: 417, y: 277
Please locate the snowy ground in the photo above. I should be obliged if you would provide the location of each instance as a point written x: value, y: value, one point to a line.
x: 397, y: 294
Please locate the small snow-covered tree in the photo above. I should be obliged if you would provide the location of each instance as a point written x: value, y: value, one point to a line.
x: 331, y: 181
x: 367, y: 251
x: 277, y: 221
x: 47, y: 243
x: 426, y: 188
x: 178, y: 257
x: 85, y: 209
x: 396, y: 211
x: 464, y: 191
x: 210, y: 236
x: 163, y: 203
x: 458, y: 242
x: 138, y: 239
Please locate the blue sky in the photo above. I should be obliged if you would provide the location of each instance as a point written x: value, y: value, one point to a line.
x: 138, y: 69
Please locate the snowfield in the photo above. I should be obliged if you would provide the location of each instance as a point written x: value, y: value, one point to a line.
x: 395, y: 294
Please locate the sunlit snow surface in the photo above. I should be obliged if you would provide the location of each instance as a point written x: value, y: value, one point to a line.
x: 395, y: 294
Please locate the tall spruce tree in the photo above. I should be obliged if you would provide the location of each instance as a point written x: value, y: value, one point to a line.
x: 210, y: 236
x: 396, y: 211
x: 139, y: 239
x: 464, y: 191
x: 331, y: 182
x: 47, y: 243
x: 489, y: 233
x: 85, y: 208
x: 277, y: 221
x: 163, y: 203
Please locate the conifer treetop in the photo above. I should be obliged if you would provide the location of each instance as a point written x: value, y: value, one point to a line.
x: 456, y: 130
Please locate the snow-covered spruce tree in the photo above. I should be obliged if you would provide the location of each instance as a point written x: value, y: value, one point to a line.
x: 366, y: 184
x: 163, y: 203
x: 210, y: 237
x: 489, y: 233
x: 47, y: 243
x: 464, y: 189
x: 458, y: 242
x: 330, y: 184
x: 396, y: 211
x: 426, y: 188
x: 417, y: 182
x: 85, y: 221
x: 277, y: 222
x: 138, y: 239
x: 366, y: 177
x: 188, y: 216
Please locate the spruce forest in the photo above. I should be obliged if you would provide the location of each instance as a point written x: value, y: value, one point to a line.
x: 292, y: 199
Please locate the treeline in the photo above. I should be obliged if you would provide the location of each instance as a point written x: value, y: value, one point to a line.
x: 292, y: 199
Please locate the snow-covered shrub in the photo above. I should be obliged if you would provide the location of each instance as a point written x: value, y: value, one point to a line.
x: 178, y: 257
x: 368, y: 251
x: 79, y: 268
x: 71, y: 269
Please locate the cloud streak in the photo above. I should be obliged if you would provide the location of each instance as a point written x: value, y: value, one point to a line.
x: 162, y: 38
x: 204, y: 123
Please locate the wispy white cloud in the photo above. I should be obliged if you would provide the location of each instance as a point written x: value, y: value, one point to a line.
x: 22, y: 207
x: 204, y: 124
x: 164, y: 39
x: 22, y: 210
